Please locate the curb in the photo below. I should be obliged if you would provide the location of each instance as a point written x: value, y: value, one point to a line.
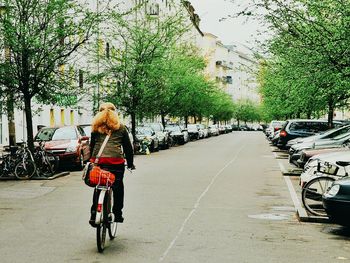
x: 61, y: 174
x: 13, y: 178
x: 311, y: 219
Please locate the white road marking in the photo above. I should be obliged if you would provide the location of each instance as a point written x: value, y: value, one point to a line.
x: 172, y: 243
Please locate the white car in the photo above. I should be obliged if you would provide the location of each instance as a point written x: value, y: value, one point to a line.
x: 326, y: 159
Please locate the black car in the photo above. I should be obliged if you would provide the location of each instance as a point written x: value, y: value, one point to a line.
x: 301, y: 128
x: 336, y: 201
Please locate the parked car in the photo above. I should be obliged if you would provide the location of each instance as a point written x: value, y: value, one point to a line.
x: 301, y: 128
x: 336, y: 201
x: 273, y: 127
x: 193, y: 131
x: 185, y: 132
x: 176, y: 134
x: 162, y: 134
x: 213, y: 130
x: 69, y: 143
x: 323, y: 135
x: 228, y: 128
x: 204, y: 130
x: 307, y: 154
x: 222, y: 129
x: 235, y: 127
x: 336, y: 142
x: 145, y: 132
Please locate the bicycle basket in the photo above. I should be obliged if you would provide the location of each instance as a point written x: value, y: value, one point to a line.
x: 98, y: 176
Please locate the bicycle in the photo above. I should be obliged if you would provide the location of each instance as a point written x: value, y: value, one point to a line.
x: 104, y: 216
x: 8, y: 161
x: 313, y: 191
x: 25, y: 167
x: 47, y: 163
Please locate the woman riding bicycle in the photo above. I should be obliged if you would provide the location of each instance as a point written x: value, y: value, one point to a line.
x: 118, y: 149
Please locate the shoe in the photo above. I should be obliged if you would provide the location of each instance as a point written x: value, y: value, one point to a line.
x: 119, y: 219
x: 92, y: 219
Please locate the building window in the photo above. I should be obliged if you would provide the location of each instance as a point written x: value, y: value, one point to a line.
x: 153, y: 9
x: 62, y: 117
x: 71, y: 117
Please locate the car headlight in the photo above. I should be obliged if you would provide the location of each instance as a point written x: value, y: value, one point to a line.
x: 333, y: 191
x: 71, y: 149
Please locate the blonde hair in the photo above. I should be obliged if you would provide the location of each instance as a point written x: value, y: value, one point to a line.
x: 106, y: 120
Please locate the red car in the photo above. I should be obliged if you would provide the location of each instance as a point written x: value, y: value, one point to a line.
x: 69, y: 143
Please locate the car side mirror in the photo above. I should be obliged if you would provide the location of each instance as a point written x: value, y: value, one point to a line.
x: 84, y: 138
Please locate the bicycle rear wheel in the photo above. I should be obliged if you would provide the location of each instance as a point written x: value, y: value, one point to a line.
x: 312, y: 194
x: 102, y: 227
x: 25, y: 169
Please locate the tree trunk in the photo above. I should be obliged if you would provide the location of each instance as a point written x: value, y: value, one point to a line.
x: 133, y: 125
x: 186, y: 121
x: 11, y: 121
x: 162, y: 115
x: 330, y: 114
x: 238, y: 122
x: 29, y: 122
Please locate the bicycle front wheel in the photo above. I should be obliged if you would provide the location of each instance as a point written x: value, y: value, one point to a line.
x: 25, y: 169
x: 112, y: 226
x: 101, y: 236
x: 312, y: 194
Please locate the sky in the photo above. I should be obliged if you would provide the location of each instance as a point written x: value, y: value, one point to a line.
x: 214, y: 15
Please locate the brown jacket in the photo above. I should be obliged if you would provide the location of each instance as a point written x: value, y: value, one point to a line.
x: 117, y: 147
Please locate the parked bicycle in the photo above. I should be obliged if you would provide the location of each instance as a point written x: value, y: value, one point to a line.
x: 46, y: 163
x: 8, y: 161
x: 313, y: 191
x: 25, y: 167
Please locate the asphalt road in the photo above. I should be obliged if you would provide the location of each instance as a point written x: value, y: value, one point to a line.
x: 217, y: 200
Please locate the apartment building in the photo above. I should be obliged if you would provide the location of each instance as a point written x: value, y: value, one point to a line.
x: 82, y: 112
x: 233, y: 70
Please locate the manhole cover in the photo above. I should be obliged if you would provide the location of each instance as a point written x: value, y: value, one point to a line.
x: 270, y: 216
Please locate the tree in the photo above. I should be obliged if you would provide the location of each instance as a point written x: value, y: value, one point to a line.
x: 41, y: 37
x: 142, y: 41
x: 309, y: 51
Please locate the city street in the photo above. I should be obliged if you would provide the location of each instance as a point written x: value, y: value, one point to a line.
x: 221, y: 199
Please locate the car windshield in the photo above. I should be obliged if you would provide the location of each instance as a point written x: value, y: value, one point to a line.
x: 192, y: 127
x: 87, y: 130
x: 156, y: 127
x: 55, y: 134
x: 342, y: 136
x: 173, y: 128
x: 144, y: 131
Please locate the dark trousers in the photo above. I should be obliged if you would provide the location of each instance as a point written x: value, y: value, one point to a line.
x: 118, y: 189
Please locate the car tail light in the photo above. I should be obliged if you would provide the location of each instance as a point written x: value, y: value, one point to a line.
x: 99, y: 207
x: 276, y: 128
x: 283, y: 134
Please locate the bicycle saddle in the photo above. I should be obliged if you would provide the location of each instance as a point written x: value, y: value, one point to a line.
x: 342, y: 163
